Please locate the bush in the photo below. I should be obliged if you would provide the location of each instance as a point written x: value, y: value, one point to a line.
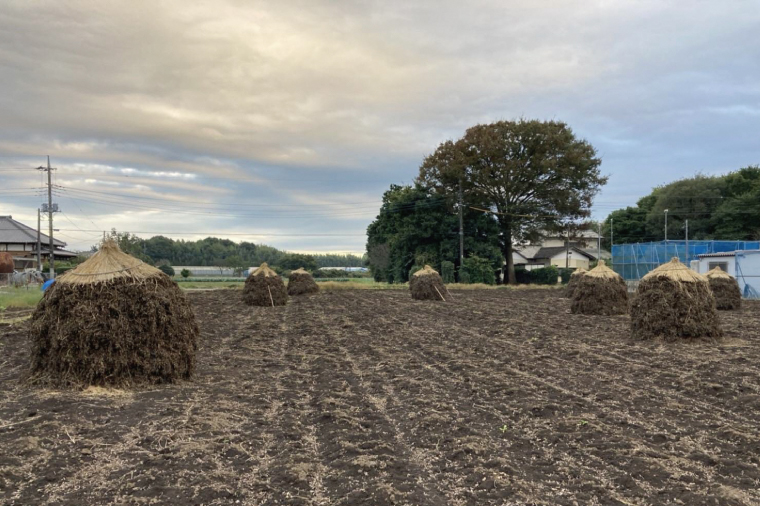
x: 544, y: 275
x: 447, y: 271
x: 340, y: 273
x: 185, y: 273
x: 414, y: 269
x: 565, y: 274
x: 522, y: 275
x: 478, y: 270
x: 167, y: 269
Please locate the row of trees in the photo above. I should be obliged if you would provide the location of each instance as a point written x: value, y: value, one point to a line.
x: 718, y: 207
x: 513, y: 180
x: 212, y: 251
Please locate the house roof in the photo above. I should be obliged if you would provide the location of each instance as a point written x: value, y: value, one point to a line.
x: 551, y: 252
x: 14, y: 232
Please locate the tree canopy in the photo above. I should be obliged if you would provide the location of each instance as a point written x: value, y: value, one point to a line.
x: 213, y: 251
x: 416, y: 227
x: 532, y: 175
x: 718, y: 207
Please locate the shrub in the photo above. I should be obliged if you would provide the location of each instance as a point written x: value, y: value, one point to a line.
x: 167, y: 269
x: 185, y: 273
x: 478, y: 270
x: 464, y: 276
x: 565, y: 275
x: 544, y: 275
x: 447, y: 271
x: 522, y: 275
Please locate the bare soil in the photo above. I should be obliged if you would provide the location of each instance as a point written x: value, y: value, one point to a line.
x: 368, y: 397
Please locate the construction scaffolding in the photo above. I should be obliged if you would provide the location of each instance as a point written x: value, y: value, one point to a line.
x: 633, y: 261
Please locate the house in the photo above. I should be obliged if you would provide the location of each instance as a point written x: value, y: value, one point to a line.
x: 744, y: 265
x: 554, y: 250
x: 21, y: 242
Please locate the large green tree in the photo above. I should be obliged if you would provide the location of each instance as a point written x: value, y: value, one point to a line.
x: 533, y: 175
x: 417, y: 227
x: 718, y: 207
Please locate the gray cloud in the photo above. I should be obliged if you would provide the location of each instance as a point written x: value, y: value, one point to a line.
x: 310, y: 104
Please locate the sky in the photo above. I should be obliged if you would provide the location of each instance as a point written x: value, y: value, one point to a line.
x: 283, y: 122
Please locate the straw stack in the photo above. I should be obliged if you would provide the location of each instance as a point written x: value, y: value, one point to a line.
x: 725, y: 289
x: 674, y: 302
x: 300, y: 282
x: 265, y: 288
x: 112, y: 321
x: 575, y: 278
x: 426, y: 284
x: 600, y: 291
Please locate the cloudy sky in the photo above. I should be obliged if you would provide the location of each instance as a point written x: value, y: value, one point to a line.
x: 284, y: 121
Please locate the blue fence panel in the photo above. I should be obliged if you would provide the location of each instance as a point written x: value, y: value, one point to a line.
x: 633, y: 261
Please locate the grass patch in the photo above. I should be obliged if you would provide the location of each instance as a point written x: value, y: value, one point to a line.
x: 194, y: 285
x: 358, y: 284
x: 19, y: 297
x: 482, y: 286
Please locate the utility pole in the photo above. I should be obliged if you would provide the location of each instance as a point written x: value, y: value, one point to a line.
x: 39, y: 241
x: 599, y: 242
x: 666, y: 225
x: 567, y: 247
x: 612, y: 242
x: 50, y: 208
x: 461, y: 228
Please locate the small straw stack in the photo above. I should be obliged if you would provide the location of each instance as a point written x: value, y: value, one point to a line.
x: 725, y: 289
x: 600, y: 291
x: 673, y: 302
x: 427, y: 284
x: 265, y: 288
x: 300, y: 282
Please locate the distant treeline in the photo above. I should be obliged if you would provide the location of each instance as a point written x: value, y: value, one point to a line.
x: 213, y: 251
x: 723, y: 207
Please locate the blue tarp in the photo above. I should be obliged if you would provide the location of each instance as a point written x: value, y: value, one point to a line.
x: 632, y: 261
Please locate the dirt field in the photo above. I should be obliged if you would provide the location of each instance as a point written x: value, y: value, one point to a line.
x: 367, y: 397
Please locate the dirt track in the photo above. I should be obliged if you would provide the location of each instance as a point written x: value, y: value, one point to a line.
x: 368, y: 397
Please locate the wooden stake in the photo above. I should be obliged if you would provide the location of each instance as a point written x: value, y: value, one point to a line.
x: 439, y: 293
x: 270, y: 295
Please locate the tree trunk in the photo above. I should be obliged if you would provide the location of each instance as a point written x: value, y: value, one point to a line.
x: 509, y: 277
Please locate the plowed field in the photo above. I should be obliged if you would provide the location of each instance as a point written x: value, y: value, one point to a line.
x: 367, y: 397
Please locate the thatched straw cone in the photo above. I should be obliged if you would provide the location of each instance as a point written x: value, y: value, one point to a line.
x: 300, y: 282
x: 601, y: 291
x: 265, y: 288
x: 575, y: 278
x: 427, y: 284
x: 112, y: 321
x: 674, y: 302
x: 725, y: 289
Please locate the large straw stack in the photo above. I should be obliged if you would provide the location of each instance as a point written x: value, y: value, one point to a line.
x: 6, y: 263
x: 426, y: 284
x: 112, y: 321
x: 575, y: 278
x: 725, y: 289
x: 674, y: 302
x: 600, y: 291
x: 265, y: 288
x: 300, y: 282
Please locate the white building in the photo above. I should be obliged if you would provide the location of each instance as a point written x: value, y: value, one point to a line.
x: 743, y: 265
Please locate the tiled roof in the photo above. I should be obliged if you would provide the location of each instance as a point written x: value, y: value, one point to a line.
x: 551, y: 252
x: 14, y: 232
